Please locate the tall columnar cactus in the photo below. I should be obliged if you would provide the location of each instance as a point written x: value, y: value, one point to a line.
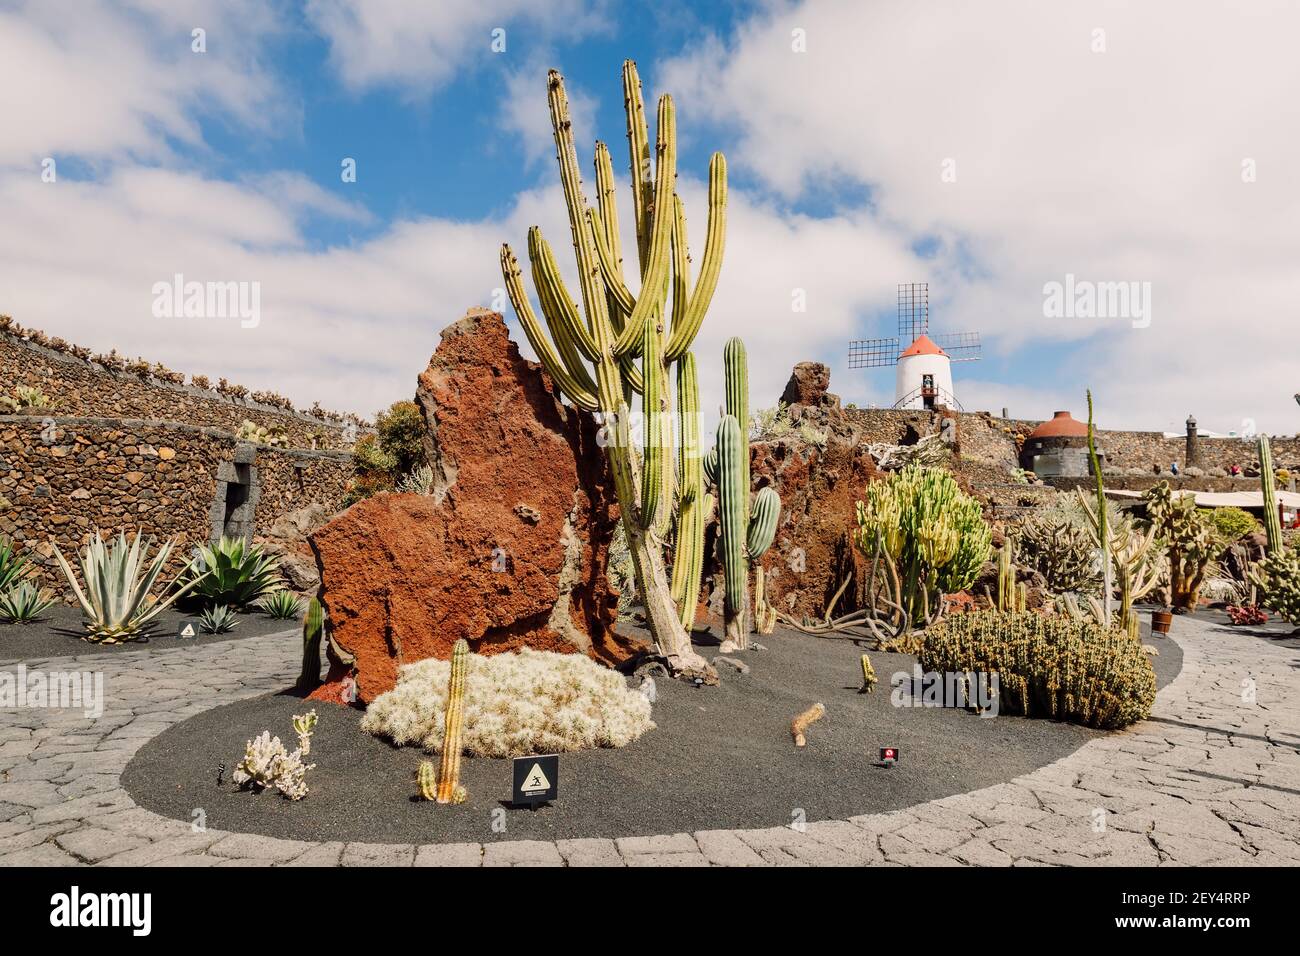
x: 747, y: 529
x: 449, y: 788
x: 1103, y: 522
x: 1011, y: 597
x: 593, y: 356
x: 693, y: 504
x: 313, y: 626
x: 1272, y: 523
x: 1278, y: 576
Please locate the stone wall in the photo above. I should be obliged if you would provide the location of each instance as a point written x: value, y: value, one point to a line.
x: 61, y: 478
x: 84, y: 388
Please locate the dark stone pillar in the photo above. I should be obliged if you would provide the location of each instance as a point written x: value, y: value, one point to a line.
x: 1193, y: 445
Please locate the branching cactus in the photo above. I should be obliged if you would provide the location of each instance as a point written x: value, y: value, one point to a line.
x: 693, y: 504
x: 1278, y: 576
x: 623, y: 344
x: 449, y: 788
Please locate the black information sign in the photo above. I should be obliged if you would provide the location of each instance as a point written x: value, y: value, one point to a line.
x: 537, y: 779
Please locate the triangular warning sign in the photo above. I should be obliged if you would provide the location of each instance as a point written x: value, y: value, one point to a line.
x: 536, y: 781
x: 187, y: 630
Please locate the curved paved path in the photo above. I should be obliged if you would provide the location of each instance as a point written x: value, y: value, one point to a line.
x: 1212, y: 778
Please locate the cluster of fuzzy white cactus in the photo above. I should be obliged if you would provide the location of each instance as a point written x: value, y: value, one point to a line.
x: 516, y: 703
x: 267, y: 764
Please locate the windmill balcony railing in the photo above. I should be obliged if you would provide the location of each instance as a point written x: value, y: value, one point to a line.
x: 930, y: 395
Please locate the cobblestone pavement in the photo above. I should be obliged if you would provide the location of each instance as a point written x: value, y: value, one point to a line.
x: 1212, y: 778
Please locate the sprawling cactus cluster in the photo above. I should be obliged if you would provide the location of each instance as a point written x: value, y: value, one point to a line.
x: 932, y: 533
x: 1278, y: 575
x: 1064, y: 554
x: 593, y: 355
x: 267, y: 763
x: 1189, y: 538
x: 1048, y: 666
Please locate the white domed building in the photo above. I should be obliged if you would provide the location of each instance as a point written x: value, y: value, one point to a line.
x: 923, y: 378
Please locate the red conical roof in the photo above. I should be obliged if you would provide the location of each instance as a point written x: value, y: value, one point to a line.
x: 1061, y: 424
x: 922, y: 346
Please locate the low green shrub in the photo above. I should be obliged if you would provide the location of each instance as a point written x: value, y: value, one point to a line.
x: 234, y: 573
x: 1048, y: 666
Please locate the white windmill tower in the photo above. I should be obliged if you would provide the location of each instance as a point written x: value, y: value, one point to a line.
x: 924, y: 368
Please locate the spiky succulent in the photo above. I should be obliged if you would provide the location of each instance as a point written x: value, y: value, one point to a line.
x: 218, y: 619
x: 281, y: 604
x: 117, y: 603
x: 234, y: 572
x: 12, y: 564
x: 24, y: 602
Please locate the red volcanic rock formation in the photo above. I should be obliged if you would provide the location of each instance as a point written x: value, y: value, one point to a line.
x: 509, y: 550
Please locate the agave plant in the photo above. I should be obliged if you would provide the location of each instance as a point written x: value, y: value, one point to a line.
x: 282, y: 605
x: 11, y: 564
x: 119, y: 576
x: 234, y: 573
x: 24, y: 603
x: 217, y: 620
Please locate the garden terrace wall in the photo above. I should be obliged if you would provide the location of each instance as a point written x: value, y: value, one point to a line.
x: 61, y: 478
x: 83, y: 388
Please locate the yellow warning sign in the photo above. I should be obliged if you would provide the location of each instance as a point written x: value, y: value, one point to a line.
x: 535, y: 781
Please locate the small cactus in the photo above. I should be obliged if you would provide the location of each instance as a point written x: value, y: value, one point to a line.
x: 427, y: 778
x: 800, y: 724
x: 303, y: 725
x: 764, y: 613
x: 449, y: 788
x: 869, y: 679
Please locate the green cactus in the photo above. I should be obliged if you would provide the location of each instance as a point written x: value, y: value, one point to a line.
x: 1189, y: 539
x: 1272, y: 523
x: 932, y: 534
x: 426, y: 778
x: 1011, y: 597
x: 1058, y: 667
x: 449, y: 788
x: 693, y: 504
x: 313, y: 626
x: 1278, y: 576
x: 622, y: 344
x: 1103, y: 522
x: 747, y: 528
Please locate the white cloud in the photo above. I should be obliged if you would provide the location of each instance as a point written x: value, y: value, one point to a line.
x: 420, y: 47
x: 1116, y: 165
x: 119, y: 80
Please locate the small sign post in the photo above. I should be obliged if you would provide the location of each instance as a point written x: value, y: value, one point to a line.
x: 186, y: 630
x: 536, y: 780
x: 889, y: 756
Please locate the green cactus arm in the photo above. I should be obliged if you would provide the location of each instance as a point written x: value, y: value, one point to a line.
x: 577, y: 393
x: 688, y: 561
x: 655, y: 454
x: 610, y: 388
x: 557, y: 305
x: 638, y: 146
x: 736, y: 374
x: 610, y: 271
x: 709, y: 463
x: 681, y: 277
x: 715, y: 242
x: 763, y: 520
x: 654, y: 284
x: 632, y: 376
x: 606, y: 195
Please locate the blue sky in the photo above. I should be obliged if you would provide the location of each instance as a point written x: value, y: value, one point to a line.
x: 989, y: 152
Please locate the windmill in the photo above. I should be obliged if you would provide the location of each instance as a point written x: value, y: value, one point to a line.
x: 924, y: 376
